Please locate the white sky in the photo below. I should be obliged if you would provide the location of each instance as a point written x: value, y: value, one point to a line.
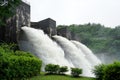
x: 66, y: 12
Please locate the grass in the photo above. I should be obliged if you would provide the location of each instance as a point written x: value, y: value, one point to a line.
x: 58, y: 77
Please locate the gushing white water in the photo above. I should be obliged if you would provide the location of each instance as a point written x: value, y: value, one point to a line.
x: 74, y: 55
x: 88, y: 53
x: 43, y: 47
x: 65, y: 53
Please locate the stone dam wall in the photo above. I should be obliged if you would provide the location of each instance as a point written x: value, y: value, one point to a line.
x: 10, y: 33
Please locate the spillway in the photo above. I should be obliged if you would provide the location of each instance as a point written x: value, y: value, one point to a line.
x: 59, y: 51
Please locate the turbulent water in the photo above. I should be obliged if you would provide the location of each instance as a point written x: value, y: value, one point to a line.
x: 88, y: 53
x: 43, y: 47
x: 61, y: 51
x: 74, y: 55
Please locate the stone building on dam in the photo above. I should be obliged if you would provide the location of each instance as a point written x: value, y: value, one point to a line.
x: 12, y: 31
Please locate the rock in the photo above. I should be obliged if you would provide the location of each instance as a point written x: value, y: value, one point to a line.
x: 10, y: 33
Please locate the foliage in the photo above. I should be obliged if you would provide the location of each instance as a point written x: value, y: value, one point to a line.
x: 115, y: 33
x: 75, y: 72
x: 55, y: 69
x: 88, y: 33
x: 52, y: 68
x: 99, y: 71
x: 112, y: 71
x: 22, y: 53
x: 18, y: 65
x: 7, y: 9
x: 98, y: 38
x: 108, y: 72
x: 63, y: 69
x: 9, y: 48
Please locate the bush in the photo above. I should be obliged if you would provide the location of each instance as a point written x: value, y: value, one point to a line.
x: 75, y: 72
x: 112, y: 71
x: 51, y: 68
x: 99, y: 71
x: 63, y: 69
x: 18, y: 65
x: 22, y: 53
x: 108, y: 72
x: 8, y: 48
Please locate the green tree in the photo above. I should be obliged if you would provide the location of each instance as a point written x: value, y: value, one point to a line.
x: 75, y: 72
x: 112, y: 71
x: 99, y: 71
x: 51, y: 68
x: 98, y: 38
x: 17, y: 65
x: 115, y: 33
x: 63, y: 69
x: 7, y: 9
x: 107, y: 72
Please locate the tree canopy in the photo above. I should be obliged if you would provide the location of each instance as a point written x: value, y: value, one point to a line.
x: 7, y: 9
x: 98, y: 38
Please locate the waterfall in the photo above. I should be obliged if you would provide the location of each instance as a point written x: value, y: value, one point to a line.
x: 42, y: 46
x: 74, y: 55
x: 61, y: 51
x: 88, y: 53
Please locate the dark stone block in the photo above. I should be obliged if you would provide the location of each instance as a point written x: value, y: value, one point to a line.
x: 48, y: 26
x: 75, y: 37
x: 10, y: 33
x: 64, y: 32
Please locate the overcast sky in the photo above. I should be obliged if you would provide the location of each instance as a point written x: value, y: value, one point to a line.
x: 66, y: 12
